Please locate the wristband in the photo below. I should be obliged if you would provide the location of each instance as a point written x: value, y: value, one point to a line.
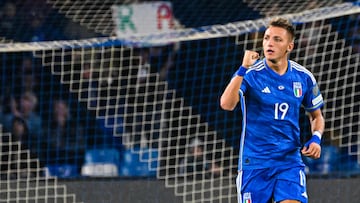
x: 241, y: 71
x: 318, y: 133
x: 315, y: 138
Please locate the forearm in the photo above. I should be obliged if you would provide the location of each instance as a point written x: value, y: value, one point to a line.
x: 317, y: 122
x: 318, y: 125
x: 230, y: 97
x: 312, y: 147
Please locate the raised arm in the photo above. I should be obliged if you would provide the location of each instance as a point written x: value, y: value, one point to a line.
x: 230, y: 96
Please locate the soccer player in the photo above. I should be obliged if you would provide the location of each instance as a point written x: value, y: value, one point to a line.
x: 271, y: 92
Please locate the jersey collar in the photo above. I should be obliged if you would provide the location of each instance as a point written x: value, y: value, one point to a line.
x: 273, y: 73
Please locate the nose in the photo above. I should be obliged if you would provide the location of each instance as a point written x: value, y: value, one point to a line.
x: 270, y: 43
x: 267, y: 43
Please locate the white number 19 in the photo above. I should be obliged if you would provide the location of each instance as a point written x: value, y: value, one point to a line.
x: 281, y: 109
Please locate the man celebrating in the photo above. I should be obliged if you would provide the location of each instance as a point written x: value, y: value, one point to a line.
x: 271, y: 92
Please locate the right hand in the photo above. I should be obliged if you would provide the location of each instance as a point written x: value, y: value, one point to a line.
x: 250, y: 57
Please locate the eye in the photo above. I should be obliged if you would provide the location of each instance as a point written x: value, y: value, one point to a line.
x: 277, y: 39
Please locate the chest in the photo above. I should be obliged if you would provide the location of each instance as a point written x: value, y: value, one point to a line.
x: 271, y: 90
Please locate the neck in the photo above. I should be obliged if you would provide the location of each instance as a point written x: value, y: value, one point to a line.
x: 280, y: 67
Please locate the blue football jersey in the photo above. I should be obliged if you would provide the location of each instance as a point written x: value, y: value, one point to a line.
x: 271, y: 106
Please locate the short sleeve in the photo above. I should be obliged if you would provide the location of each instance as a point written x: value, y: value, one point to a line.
x: 313, y: 99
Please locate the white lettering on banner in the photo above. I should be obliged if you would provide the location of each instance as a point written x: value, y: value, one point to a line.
x: 143, y: 18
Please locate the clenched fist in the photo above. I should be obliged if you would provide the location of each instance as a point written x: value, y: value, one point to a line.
x: 250, y: 58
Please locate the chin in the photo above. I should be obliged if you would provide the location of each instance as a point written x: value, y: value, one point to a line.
x: 270, y: 58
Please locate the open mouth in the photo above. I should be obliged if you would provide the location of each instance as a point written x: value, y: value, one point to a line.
x: 270, y: 51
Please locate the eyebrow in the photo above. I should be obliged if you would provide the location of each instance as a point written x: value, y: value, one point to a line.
x: 276, y: 36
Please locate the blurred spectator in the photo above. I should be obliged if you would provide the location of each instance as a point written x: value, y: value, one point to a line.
x: 31, y: 21
x: 26, y: 111
x: 65, y: 137
x: 74, y: 31
x: 8, y: 20
x: 16, y: 156
x: 1, y: 112
x: 157, y: 60
x: 36, y: 31
x: 354, y: 33
x: 145, y: 117
x: 85, y: 78
x: 26, y: 77
x: 20, y: 132
x: 195, y: 163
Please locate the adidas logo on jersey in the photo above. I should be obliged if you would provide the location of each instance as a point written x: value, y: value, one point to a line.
x: 266, y: 90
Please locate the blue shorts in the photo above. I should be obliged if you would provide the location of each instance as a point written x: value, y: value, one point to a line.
x: 278, y: 183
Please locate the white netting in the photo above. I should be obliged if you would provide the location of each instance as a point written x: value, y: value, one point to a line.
x: 23, y: 179
x: 96, y: 15
x: 270, y: 8
x: 124, y: 92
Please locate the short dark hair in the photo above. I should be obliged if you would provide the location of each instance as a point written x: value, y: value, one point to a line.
x: 283, y: 23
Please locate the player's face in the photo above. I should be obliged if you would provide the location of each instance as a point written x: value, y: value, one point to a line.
x: 277, y: 43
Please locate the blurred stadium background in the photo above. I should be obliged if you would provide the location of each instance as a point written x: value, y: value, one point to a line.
x: 118, y: 101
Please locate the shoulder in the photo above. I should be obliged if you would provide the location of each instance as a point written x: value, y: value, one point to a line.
x: 258, y: 66
x: 302, y: 70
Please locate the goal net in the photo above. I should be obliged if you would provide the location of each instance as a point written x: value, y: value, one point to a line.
x: 157, y: 96
x: 22, y: 177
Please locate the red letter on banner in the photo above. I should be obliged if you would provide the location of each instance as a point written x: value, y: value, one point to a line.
x: 164, y: 13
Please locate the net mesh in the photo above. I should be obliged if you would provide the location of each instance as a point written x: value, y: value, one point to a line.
x: 23, y: 179
x: 270, y: 8
x: 158, y: 96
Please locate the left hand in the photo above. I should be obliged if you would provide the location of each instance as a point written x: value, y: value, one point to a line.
x: 313, y: 151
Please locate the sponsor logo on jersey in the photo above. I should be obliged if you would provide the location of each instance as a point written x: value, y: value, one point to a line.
x: 247, y: 197
x: 266, y: 90
x: 297, y: 89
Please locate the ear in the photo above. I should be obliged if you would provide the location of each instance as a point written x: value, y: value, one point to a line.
x: 290, y: 47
